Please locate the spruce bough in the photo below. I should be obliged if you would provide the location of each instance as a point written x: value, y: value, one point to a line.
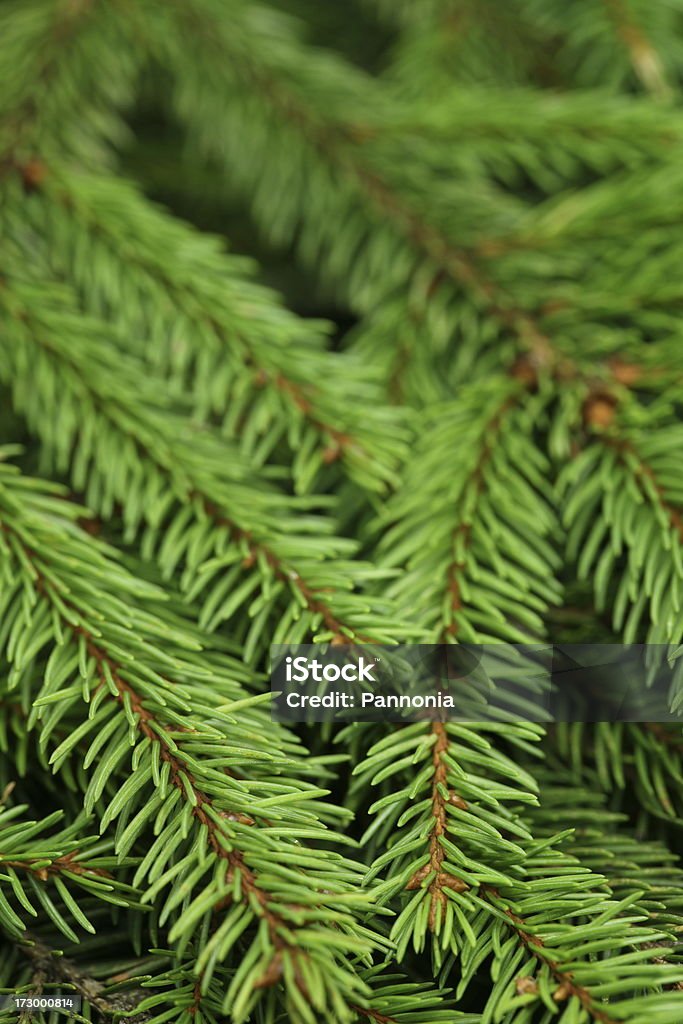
x: 461, y: 423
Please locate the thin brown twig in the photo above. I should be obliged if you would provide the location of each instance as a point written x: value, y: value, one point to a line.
x: 65, y: 863
x: 370, y: 1014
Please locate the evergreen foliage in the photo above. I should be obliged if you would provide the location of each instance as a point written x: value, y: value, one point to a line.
x: 462, y: 423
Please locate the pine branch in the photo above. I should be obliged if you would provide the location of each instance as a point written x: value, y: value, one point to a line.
x: 622, y: 488
x: 368, y: 197
x: 458, y: 820
x: 42, y: 869
x: 632, y: 760
x: 440, y: 43
x: 193, y: 500
x: 482, y: 568
x: 435, y: 893
x: 477, y: 581
x: 566, y: 953
x: 137, y: 698
x: 217, y: 333
x: 563, y: 319
x: 394, y: 999
x: 67, y: 67
x: 562, y: 916
x: 359, y: 179
x: 602, y: 841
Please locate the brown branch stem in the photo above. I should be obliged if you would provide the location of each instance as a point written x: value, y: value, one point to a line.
x: 314, y: 598
x: 251, y: 893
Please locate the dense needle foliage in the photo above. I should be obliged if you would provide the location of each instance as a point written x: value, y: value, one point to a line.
x: 335, y: 321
